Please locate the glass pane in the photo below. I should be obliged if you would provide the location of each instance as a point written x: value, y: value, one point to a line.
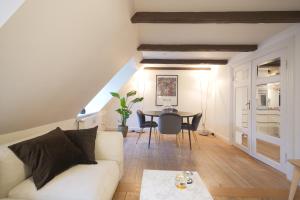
x: 241, y: 75
x: 241, y: 116
x: 269, y: 150
x: 269, y: 69
x: 268, y: 109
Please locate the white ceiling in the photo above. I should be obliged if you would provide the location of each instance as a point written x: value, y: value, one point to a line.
x: 215, y: 5
x: 208, y: 33
x: 187, y: 55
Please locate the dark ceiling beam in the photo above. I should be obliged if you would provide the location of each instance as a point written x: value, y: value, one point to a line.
x: 197, y: 47
x: 184, y: 61
x: 253, y: 17
x: 177, y: 68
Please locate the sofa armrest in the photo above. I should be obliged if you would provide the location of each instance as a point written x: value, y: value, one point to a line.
x: 109, y: 146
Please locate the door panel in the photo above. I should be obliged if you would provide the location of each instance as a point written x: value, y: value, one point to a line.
x: 260, y: 108
x: 268, y: 109
x: 242, y: 115
x: 268, y: 149
x: 241, y: 108
x: 266, y: 119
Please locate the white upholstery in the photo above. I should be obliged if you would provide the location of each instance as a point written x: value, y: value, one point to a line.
x: 109, y: 147
x: 12, y: 171
x: 81, y: 182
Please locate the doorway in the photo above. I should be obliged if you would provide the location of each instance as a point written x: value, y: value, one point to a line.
x: 259, y: 100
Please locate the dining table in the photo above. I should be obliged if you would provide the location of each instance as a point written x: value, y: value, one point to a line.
x: 183, y: 114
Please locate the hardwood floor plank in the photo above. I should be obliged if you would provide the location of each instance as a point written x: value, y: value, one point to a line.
x: 119, y: 196
x: 132, y: 196
x: 228, y: 172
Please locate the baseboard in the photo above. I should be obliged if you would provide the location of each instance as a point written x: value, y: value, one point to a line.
x: 133, y: 129
x: 225, y: 139
x: 111, y: 129
x: 222, y: 137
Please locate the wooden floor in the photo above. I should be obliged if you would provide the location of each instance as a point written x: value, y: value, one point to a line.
x: 229, y: 173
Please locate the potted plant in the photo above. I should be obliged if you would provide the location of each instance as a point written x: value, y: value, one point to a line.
x: 125, y: 109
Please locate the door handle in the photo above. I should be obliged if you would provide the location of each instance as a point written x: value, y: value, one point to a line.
x: 248, y: 104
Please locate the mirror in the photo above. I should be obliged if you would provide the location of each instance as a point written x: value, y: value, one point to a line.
x: 268, y: 109
x: 269, y: 69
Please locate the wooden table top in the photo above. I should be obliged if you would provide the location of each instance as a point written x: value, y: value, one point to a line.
x: 295, y: 162
x: 157, y: 113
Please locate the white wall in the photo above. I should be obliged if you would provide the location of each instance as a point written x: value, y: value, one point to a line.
x: 71, y: 124
x: 36, y: 131
x: 219, y: 115
x: 192, y: 92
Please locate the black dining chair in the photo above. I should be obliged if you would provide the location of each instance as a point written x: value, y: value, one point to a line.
x: 193, y: 126
x: 170, y: 123
x: 144, y: 124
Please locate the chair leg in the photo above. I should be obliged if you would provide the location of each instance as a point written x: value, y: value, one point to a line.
x: 155, y: 133
x: 180, y: 140
x: 182, y: 134
x: 140, y: 133
x: 195, y: 137
x: 160, y: 136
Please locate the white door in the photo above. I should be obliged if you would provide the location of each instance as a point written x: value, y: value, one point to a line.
x: 267, y: 107
x: 242, y: 117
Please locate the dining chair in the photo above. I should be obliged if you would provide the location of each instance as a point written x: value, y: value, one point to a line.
x: 193, y: 126
x: 144, y: 124
x: 170, y: 123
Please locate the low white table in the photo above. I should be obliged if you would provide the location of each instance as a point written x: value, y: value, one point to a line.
x: 160, y: 185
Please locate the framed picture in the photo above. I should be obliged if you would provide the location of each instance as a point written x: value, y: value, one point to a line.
x: 166, y: 90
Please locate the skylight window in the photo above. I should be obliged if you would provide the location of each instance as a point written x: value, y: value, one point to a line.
x: 8, y: 8
x: 115, y: 84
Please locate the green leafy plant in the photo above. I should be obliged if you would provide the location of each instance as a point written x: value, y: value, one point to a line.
x: 126, y: 104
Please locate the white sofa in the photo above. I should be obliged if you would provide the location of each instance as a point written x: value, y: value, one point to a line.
x: 81, y: 182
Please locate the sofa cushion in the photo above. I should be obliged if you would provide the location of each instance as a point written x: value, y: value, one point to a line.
x: 12, y: 171
x: 81, y: 182
x: 48, y: 155
x: 84, y: 139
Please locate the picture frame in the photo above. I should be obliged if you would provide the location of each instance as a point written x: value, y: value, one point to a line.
x: 166, y: 90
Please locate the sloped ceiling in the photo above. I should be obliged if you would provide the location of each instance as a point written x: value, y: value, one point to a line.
x: 56, y: 55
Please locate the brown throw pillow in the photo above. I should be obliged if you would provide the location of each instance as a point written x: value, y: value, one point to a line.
x: 84, y: 139
x: 48, y: 155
